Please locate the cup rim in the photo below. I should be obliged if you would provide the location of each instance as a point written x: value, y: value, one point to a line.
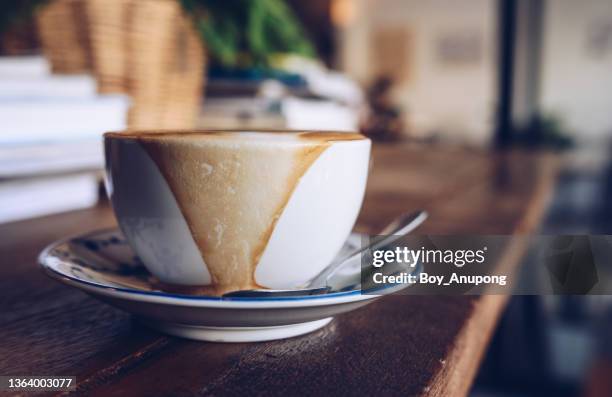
x: 154, y: 134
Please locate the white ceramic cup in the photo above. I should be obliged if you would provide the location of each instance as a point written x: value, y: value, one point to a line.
x: 314, y: 222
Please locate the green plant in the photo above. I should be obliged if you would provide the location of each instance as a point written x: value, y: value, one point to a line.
x: 247, y: 33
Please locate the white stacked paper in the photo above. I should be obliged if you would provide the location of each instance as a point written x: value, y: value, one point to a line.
x: 51, y: 127
x: 288, y: 112
x: 24, y: 67
x: 32, y: 197
x: 240, y: 112
x: 41, y: 87
x: 26, y: 121
x: 42, y: 159
x: 319, y: 115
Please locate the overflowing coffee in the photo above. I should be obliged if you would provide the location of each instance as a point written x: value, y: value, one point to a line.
x: 232, y: 188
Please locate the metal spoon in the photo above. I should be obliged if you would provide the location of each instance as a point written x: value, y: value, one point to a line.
x: 398, y: 228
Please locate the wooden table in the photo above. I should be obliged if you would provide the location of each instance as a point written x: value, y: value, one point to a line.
x: 404, y: 345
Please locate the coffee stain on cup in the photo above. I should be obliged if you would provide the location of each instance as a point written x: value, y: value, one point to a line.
x: 232, y: 190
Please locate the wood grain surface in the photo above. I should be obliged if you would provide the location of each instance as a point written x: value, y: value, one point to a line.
x: 399, y: 345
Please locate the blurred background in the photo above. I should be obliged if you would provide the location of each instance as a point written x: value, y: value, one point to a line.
x: 487, y: 74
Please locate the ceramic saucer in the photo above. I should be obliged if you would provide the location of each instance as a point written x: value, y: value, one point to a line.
x: 102, y: 264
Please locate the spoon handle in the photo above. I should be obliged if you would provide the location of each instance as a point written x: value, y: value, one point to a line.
x: 401, y: 226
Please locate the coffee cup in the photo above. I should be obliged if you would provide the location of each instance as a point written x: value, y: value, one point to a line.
x: 220, y: 211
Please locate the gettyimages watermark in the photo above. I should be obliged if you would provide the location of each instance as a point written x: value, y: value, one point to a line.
x: 477, y: 265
